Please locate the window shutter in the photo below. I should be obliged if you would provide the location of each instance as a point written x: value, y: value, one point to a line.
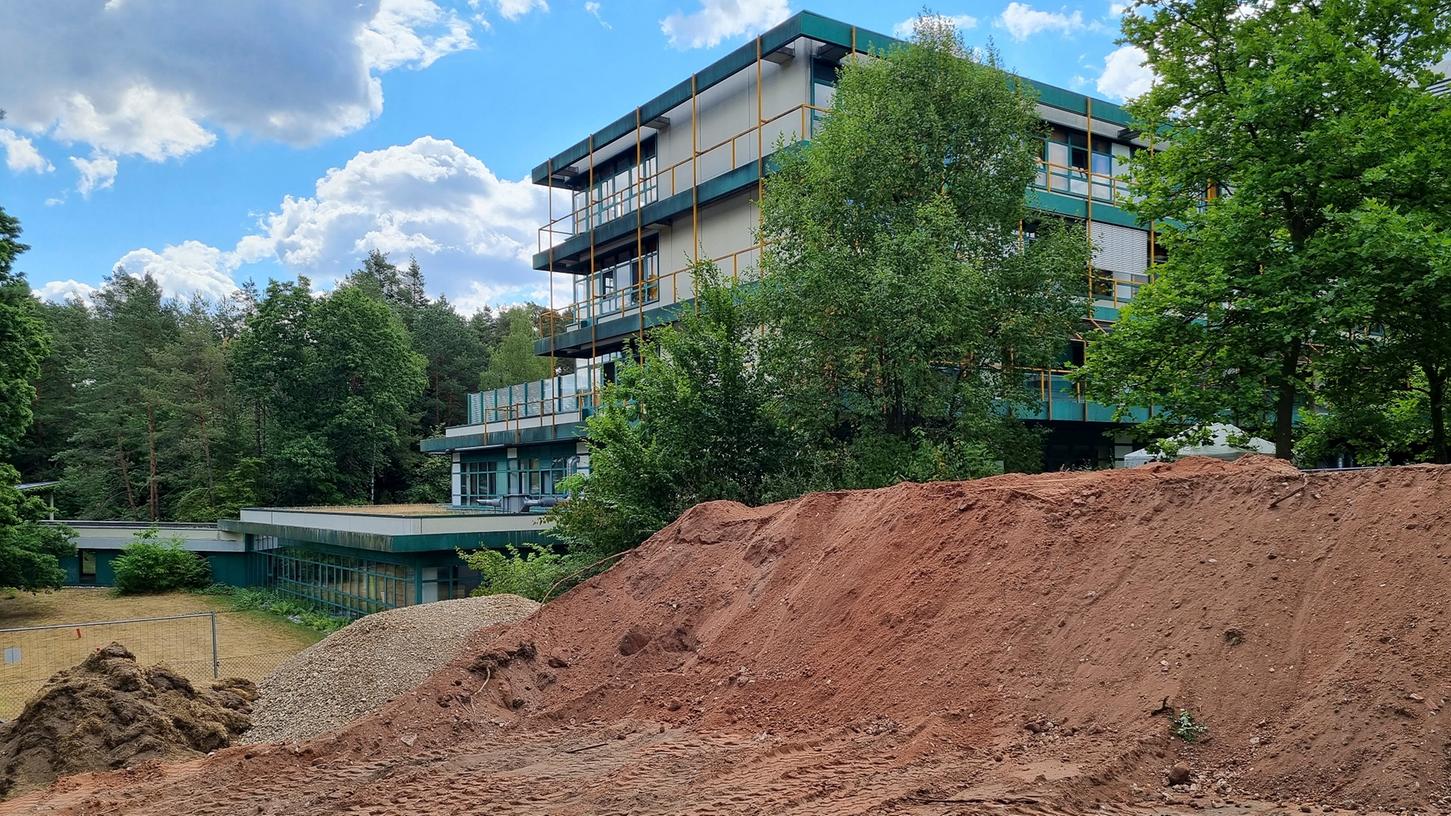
x: 1120, y: 249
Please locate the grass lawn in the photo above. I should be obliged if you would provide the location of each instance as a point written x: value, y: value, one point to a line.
x: 249, y: 644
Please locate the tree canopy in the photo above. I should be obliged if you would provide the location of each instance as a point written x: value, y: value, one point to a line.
x: 29, y: 551
x: 151, y: 408
x: 1271, y: 123
x: 907, y: 304
x: 897, y: 314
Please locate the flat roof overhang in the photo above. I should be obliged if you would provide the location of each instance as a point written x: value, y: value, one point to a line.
x: 498, y: 439
x: 611, y: 334
x: 387, y: 532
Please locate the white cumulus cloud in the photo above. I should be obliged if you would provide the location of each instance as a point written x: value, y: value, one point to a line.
x: 1023, y: 21
x: 905, y: 28
x: 160, y: 79
x: 96, y: 173
x: 412, y: 33
x: 186, y: 269
x: 473, y: 232
x: 21, y: 155
x: 64, y: 290
x: 1125, y: 75
x: 718, y: 20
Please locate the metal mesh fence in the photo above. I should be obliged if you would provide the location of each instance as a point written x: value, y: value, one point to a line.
x: 189, y: 644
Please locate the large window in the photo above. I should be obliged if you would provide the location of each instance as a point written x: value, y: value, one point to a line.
x: 621, y: 184
x: 478, y: 481
x: 1069, y: 161
x: 537, y: 476
x: 621, y: 280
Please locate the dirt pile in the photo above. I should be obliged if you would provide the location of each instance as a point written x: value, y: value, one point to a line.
x: 369, y: 662
x: 1302, y: 617
x: 108, y: 712
x: 1016, y: 642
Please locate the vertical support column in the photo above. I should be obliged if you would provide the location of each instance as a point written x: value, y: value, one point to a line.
x: 1088, y: 201
x: 589, y: 198
x: 694, y: 183
x: 417, y: 583
x: 549, y: 236
x: 216, y: 658
x: 639, y: 193
x: 1153, y: 237
x: 761, y: 156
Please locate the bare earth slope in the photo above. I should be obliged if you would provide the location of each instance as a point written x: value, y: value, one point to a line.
x: 1004, y: 642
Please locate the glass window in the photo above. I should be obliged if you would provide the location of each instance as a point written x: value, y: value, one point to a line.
x: 478, y: 481
x: 621, y: 184
x: 88, y: 566
x: 537, y: 476
x: 823, y: 90
x: 621, y: 280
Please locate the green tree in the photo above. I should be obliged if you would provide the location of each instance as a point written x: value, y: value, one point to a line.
x: 1392, y: 303
x: 23, y: 338
x: 113, y: 463
x: 30, y: 552
x: 203, y: 435
x: 454, y: 354
x: 1269, y: 120
x: 513, y: 360
x: 366, y: 376
x: 689, y: 422
x: 54, y: 417
x: 270, y: 361
x: 904, y: 304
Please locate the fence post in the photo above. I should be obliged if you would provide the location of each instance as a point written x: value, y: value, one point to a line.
x: 216, y: 662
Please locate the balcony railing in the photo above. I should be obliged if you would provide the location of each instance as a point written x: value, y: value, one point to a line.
x: 539, y: 398
x: 1074, y: 181
x: 705, y: 162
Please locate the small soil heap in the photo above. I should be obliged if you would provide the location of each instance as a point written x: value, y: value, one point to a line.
x: 108, y: 712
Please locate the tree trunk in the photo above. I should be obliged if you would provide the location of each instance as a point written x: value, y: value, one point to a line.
x: 1436, y: 379
x: 153, y: 498
x: 1285, y: 402
x: 207, y: 455
x: 125, y: 472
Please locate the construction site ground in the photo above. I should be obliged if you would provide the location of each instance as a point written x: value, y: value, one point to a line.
x: 1012, y: 645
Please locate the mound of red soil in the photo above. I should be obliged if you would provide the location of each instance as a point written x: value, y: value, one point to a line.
x: 883, y: 650
x: 108, y: 712
x: 1302, y: 618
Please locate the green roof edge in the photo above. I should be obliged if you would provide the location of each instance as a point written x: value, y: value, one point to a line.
x: 817, y: 27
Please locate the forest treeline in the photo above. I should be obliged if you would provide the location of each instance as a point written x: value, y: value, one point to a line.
x: 152, y: 408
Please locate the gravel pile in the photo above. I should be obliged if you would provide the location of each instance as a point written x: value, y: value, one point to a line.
x: 369, y: 662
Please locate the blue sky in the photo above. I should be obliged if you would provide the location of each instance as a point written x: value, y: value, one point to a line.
x: 209, y: 143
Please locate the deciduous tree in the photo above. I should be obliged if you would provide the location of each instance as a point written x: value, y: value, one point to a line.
x: 1269, y: 120
x: 904, y: 304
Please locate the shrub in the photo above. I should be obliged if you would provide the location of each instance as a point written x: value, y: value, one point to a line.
x: 1186, y: 728
x: 154, y: 564
x: 531, y: 573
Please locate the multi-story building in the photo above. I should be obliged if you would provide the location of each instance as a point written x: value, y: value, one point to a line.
x: 679, y: 178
